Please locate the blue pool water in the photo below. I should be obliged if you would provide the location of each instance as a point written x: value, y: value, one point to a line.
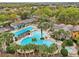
x: 43, y: 42
x: 35, y: 34
x: 38, y: 42
x: 23, y: 31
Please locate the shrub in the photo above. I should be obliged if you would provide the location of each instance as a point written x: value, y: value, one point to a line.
x: 68, y: 42
x: 42, y: 38
x: 34, y: 39
x: 11, y: 49
x: 29, y: 46
x: 62, y: 39
x: 43, y: 50
x: 53, y: 48
x: 64, y: 52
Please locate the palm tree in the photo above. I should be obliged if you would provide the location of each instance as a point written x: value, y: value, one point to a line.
x: 44, y: 13
x: 41, y: 31
x: 41, y: 24
x: 45, y: 25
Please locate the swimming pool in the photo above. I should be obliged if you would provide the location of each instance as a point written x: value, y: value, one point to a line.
x: 22, y: 31
x: 35, y: 34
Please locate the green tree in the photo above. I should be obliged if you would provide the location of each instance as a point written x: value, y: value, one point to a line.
x: 3, y: 17
x: 53, y: 48
x: 43, y: 11
x: 64, y: 52
x: 61, y: 34
x: 6, y: 38
x: 25, y: 15
x: 67, y: 15
x: 68, y: 43
x: 11, y: 48
x: 44, y: 51
x: 41, y: 26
